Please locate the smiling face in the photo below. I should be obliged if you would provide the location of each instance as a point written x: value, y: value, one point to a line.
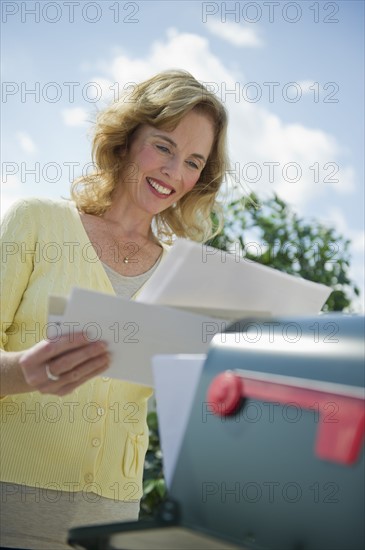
x: 162, y: 166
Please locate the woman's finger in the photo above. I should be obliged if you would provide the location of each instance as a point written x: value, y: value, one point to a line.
x: 60, y: 356
x: 47, y: 349
x: 77, y: 375
x: 64, y: 390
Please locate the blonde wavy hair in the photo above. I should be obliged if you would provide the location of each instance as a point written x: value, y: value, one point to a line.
x: 161, y: 101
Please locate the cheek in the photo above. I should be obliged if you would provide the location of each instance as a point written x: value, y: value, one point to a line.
x: 147, y: 158
x: 190, y: 181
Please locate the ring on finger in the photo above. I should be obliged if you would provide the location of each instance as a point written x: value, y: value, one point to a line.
x: 49, y: 374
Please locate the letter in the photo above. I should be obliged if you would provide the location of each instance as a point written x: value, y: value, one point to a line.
x: 26, y: 11
x: 70, y: 325
x: 236, y: 172
x: 48, y: 255
x: 99, y: 92
x: 298, y: 172
x: 36, y: 332
x: 71, y: 13
x: 236, y: 250
x: 298, y: 90
x: 209, y: 8
x: 235, y: 12
x: 293, y: 406
x: 98, y: 332
x: 246, y: 488
x: 258, y: 332
x: 256, y: 406
x: 298, y: 12
x: 52, y: 417
x: 132, y: 487
x: 208, y: 251
x: 209, y: 329
x: 71, y: 487
x: 85, y: 411
x: 8, y: 409
x: 71, y: 250
x: 258, y: 92
x: 211, y: 87
x: 235, y: 91
x: 225, y: 491
x: 86, y: 15
x: 271, y: 86
x: 257, y: 248
x: 58, y: 175
x: 52, y: 492
x: 209, y: 408
x: 286, y: 489
x: 271, y: 324
x: 298, y: 335
x: 45, y: 15
x: 91, y: 492
x: 8, y: 88
x: 271, y: 172
x: 36, y: 412
x: 24, y: 92
x: 258, y: 172
x: 271, y: 485
x: 271, y: 11
x: 58, y: 89
x: 245, y: 9
x: 71, y: 173
x: 8, y: 249
x: 71, y: 413
x: 26, y: 491
x: 93, y: 247
x: 34, y: 253
x: 8, y: 8
x: 25, y: 171
x: 9, y: 490
x: 209, y: 488
x: 71, y: 95
x: 10, y: 328
x: 271, y: 409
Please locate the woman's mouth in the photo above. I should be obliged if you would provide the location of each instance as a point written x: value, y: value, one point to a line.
x: 161, y: 189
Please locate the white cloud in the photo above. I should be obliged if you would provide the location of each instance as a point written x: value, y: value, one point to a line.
x: 235, y: 34
x: 75, y: 117
x: 26, y: 142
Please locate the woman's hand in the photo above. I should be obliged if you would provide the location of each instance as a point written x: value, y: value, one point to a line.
x: 58, y: 367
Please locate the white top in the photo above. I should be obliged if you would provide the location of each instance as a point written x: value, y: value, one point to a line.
x: 126, y: 287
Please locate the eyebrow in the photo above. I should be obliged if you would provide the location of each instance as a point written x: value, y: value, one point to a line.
x: 169, y: 140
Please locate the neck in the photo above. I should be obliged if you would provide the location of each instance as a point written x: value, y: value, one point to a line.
x: 126, y: 220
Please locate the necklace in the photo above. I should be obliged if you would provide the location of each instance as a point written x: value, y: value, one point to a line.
x: 128, y: 257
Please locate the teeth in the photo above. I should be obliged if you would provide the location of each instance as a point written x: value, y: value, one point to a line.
x: 159, y: 188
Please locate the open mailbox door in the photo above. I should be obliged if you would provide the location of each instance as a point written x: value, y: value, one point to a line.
x: 272, y: 456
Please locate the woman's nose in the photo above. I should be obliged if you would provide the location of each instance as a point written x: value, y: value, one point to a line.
x: 172, y: 168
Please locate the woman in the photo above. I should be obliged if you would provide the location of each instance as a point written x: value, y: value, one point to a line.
x: 73, y: 440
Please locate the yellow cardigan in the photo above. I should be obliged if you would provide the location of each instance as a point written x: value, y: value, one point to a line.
x: 95, y: 438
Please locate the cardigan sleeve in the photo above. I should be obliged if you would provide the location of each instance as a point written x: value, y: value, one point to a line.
x: 18, y: 247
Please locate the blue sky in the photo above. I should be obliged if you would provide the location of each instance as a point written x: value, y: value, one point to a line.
x: 294, y: 70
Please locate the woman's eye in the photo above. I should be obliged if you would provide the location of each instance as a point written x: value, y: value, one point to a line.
x: 193, y: 164
x: 163, y: 148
